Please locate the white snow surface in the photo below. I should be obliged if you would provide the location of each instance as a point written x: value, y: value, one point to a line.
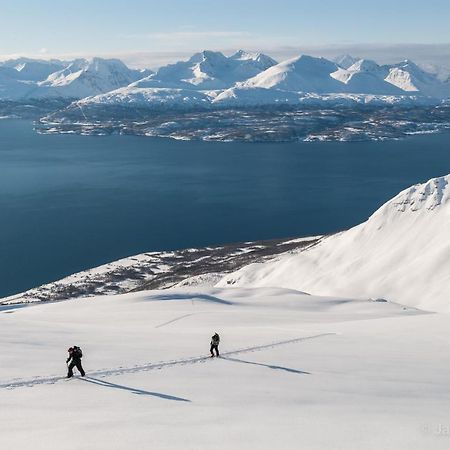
x: 297, y: 372
x: 401, y: 253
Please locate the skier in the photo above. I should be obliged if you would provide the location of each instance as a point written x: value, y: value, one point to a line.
x: 215, y: 340
x: 75, y: 355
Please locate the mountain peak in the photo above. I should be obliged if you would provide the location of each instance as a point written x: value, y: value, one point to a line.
x: 207, y: 55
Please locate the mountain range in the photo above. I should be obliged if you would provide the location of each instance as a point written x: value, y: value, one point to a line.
x: 211, y: 79
x: 24, y: 79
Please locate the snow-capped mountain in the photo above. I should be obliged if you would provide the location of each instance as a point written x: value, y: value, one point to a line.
x: 302, y: 74
x: 318, y: 75
x: 209, y: 70
x: 411, y: 78
x: 402, y: 253
x: 23, y: 79
x: 34, y: 69
x: 83, y: 78
x: 12, y: 88
x: 366, y: 77
x: 243, y: 79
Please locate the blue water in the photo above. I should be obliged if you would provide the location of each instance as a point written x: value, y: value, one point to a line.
x: 68, y: 203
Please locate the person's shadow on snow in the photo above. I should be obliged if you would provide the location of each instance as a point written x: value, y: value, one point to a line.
x: 133, y: 390
x: 269, y: 366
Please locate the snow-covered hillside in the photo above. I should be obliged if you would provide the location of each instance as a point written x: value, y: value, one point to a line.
x: 84, y: 78
x: 154, y: 98
x: 12, y: 88
x: 402, y: 253
x: 244, y: 79
x: 25, y: 79
x: 410, y: 78
x: 34, y: 69
x: 246, y: 97
x: 369, y: 373
x: 366, y: 77
x: 302, y: 74
x: 247, y: 80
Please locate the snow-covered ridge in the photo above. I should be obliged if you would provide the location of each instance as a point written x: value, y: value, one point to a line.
x: 431, y: 195
x: 243, y: 80
x: 211, y: 71
x: 402, y: 253
x: 26, y: 79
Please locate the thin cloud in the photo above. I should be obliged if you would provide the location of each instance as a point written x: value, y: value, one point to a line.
x: 176, y: 35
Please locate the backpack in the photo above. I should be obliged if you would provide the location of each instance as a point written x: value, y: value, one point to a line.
x: 77, y: 352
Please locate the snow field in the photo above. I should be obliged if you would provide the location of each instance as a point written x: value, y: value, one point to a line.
x: 355, y: 374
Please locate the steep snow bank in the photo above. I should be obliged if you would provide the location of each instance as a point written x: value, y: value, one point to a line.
x: 402, y: 253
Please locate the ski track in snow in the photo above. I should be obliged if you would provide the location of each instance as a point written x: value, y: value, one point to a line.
x: 18, y: 382
x: 175, y: 320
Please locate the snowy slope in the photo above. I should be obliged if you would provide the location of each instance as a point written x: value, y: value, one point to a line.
x: 11, y: 87
x: 366, y: 77
x: 402, y: 253
x: 411, y: 78
x: 369, y: 373
x: 82, y: 78
x: 255, y: 96
x: 24, y: 79
x: 149, y: 98
x: 318, y: 75
x: 34, y: 69
x: 251, y: 96
x: 305, y: 74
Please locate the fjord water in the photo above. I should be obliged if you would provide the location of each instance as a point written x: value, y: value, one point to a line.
x: 71, y: 202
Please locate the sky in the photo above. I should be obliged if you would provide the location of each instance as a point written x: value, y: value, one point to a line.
x: 151, y: 33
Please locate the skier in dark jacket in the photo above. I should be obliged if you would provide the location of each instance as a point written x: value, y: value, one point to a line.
x: 215, y: 341
x: 75, y: 355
